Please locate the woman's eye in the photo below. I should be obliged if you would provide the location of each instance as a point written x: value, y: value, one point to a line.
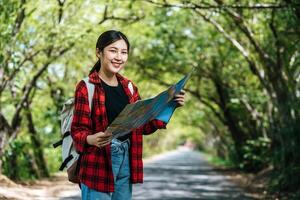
x: 113, y: 51
x: 124, y: 52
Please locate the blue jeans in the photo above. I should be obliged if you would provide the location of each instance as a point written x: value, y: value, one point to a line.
x: 121, y: 171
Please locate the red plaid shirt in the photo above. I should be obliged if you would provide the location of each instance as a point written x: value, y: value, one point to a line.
x: 95, y: 165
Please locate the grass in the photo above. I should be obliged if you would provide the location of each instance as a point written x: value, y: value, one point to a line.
x: 217, y: 161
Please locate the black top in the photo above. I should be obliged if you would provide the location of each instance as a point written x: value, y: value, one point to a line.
x: 115, y: 101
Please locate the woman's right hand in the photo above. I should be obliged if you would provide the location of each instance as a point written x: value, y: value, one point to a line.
x: 99, y: 139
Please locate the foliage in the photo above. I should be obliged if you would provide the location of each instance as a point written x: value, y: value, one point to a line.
x: 256, y: 154
x: 242, y: 99
x: 21, y: 149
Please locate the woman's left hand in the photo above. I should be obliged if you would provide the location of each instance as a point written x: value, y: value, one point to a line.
x: 179, y: 98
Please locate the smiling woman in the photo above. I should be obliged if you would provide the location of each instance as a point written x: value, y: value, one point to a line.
x: 108, y: 168
x: 113, y: 58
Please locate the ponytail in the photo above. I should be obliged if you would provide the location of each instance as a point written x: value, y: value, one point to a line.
x: 96, y: 67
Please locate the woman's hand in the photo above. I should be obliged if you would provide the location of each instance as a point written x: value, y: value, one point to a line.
x: 179, y: 98
x: 99, y: 139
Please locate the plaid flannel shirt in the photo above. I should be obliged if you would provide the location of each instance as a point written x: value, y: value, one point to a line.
x: 95, y: 163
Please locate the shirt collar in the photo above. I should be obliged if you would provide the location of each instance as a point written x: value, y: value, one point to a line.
x: 94, y: 78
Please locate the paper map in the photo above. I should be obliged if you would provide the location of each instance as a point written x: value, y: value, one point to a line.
x: 160, y: 107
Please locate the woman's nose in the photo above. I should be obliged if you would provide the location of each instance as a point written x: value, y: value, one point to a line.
x: 118, y: 56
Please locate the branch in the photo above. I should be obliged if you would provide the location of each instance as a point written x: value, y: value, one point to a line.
x: 235, y: 43
x: 252, y: 110
x: 239, y: 21
x: 12, y: 75
x: 5, y: 129
x: 212, y: 108
x: 277, y: 43
x: 25, y: 96
x: 240, y: 48
x: 60, y: 10
x: 196, y: 94
x: 4, y: 125
x: 20, y: 18
x: 131, y: 19
x: 258, y: 6
x: 31, y: 85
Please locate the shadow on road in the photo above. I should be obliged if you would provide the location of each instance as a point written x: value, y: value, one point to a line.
x: 184, y: 175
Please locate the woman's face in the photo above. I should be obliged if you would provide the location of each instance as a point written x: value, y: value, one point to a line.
x: 114, y: 56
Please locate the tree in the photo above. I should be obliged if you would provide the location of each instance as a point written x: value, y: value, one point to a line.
x: 32, y: 45
x: 272, y: 58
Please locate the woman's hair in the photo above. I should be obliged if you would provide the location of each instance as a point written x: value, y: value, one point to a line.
x: 105, y: 39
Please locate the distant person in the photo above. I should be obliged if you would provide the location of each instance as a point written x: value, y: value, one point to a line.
x: 108, y: 168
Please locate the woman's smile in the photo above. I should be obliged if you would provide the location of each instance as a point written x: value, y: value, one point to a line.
x: 117, y: 64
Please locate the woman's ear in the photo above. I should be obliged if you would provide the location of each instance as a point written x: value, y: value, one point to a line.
x: 98, y: 53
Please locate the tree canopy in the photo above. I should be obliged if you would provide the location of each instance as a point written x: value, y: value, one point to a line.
x: 242, y: 100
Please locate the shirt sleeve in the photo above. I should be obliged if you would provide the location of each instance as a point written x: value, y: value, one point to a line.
x: 81, y: 124
x: 152, y: 126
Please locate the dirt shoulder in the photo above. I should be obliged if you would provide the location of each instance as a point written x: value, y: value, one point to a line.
x: 55, y: 187
x: 254, y: 187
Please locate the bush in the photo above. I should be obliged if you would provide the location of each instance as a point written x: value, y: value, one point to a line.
x: 256, y: 154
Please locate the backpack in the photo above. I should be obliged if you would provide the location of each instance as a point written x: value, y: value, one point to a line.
x: 70, y: 157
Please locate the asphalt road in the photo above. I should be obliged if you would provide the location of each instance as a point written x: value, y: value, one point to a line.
x: 182, y: 174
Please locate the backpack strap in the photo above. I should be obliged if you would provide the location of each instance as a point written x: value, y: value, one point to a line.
x: 65, y: 162
x: 91, y: 89
x: 58, y: 143
x: 130, y: 87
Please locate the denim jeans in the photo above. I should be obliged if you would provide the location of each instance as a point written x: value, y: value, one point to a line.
x: 121, y: 171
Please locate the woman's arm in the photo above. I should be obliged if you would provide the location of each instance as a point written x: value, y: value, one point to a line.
x: 152, y: 126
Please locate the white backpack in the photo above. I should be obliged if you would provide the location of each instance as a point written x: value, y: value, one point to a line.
x: 69, y: 155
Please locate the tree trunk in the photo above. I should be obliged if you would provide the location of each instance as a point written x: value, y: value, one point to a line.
x: 37, y: 145
x: 13, y: 163
x: 33, y: 169
x: 238, y: 136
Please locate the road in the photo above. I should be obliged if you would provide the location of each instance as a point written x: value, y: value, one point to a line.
x: 182, y: 174
x: 185, y: 175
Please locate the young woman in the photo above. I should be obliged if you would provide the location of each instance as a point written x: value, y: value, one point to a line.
x: 108, y: 168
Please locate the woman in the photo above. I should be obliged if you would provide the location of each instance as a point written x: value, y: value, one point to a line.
x: 109, y: 168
